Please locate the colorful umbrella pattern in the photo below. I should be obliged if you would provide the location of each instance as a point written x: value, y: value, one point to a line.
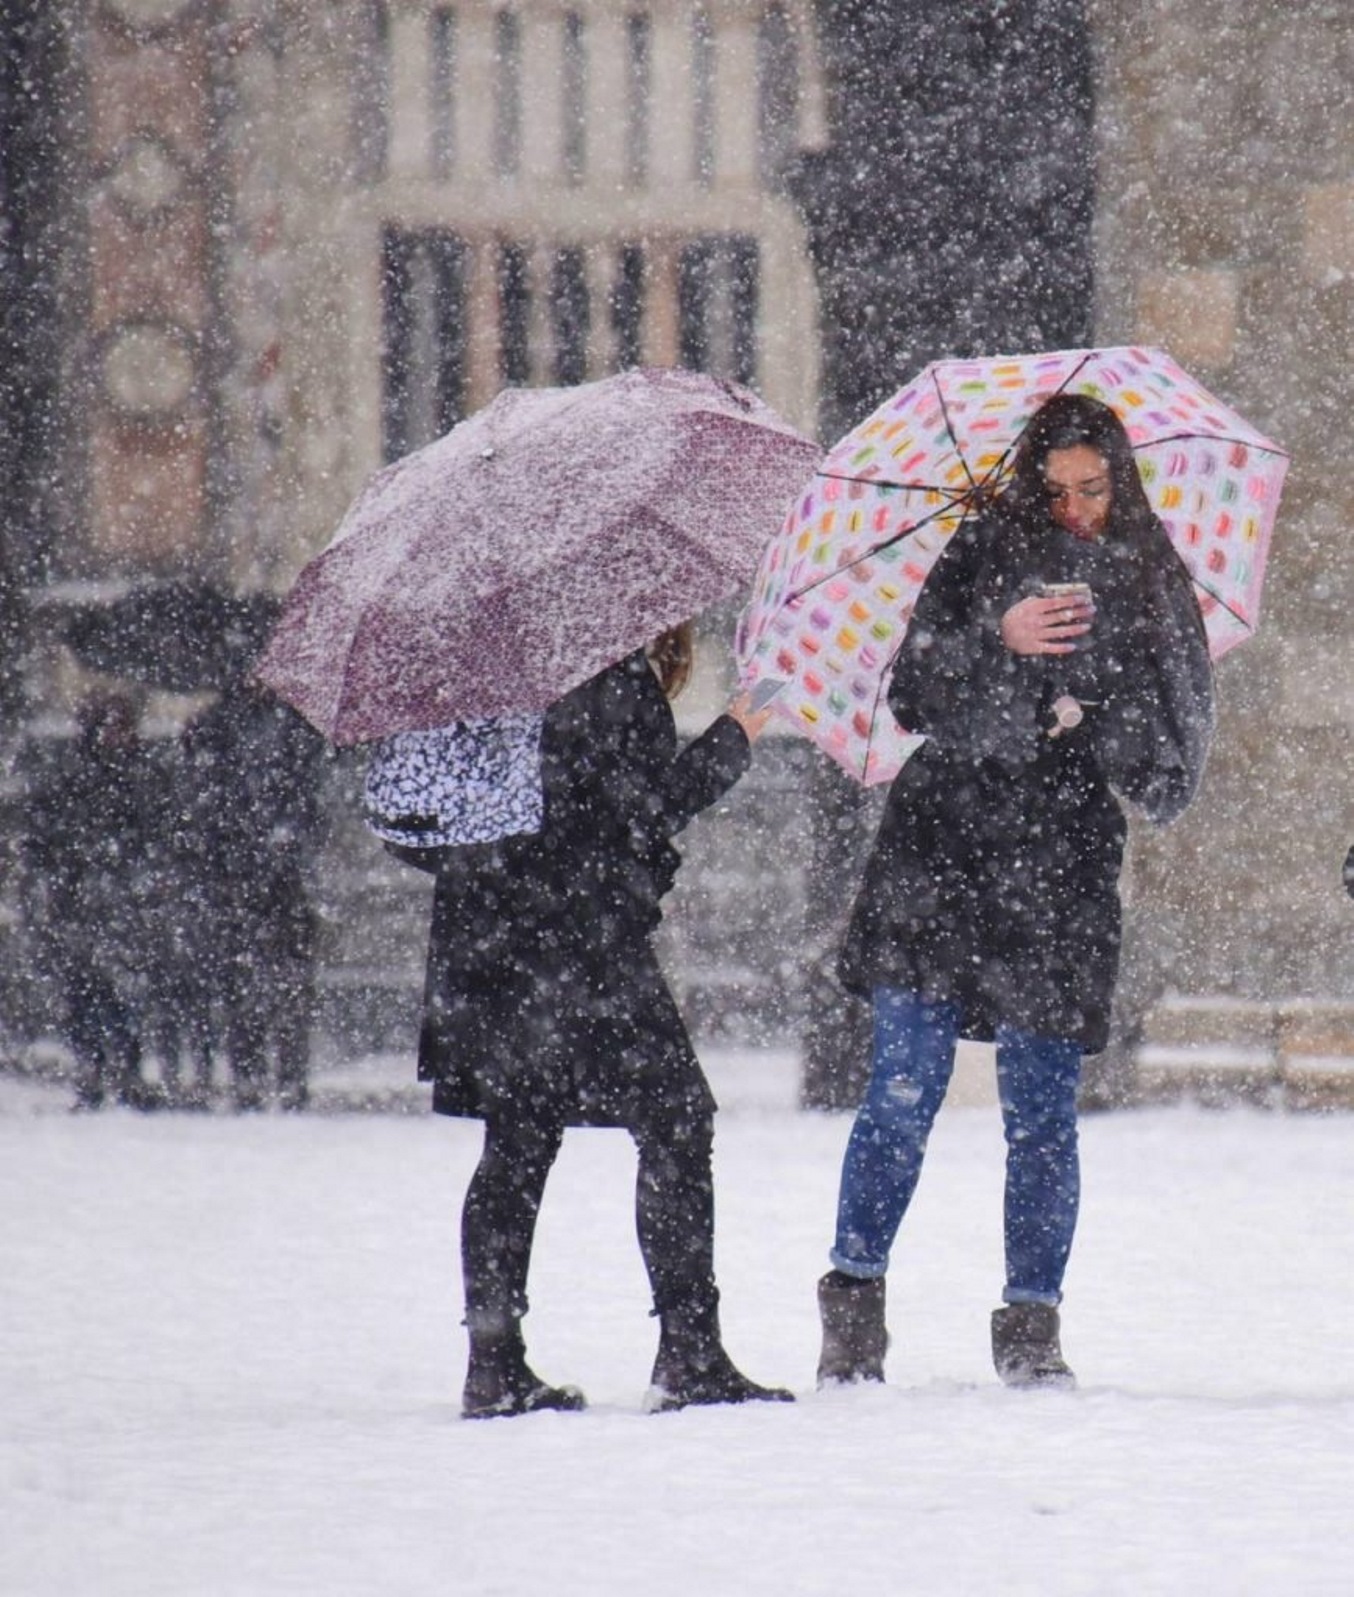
x: 837, y: 585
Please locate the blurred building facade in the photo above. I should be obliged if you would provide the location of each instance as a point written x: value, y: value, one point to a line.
x: 1225, y: 231
x: 254, y: 248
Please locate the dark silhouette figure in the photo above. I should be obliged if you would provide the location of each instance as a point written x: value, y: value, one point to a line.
x: 86, y: 856
x: 251, y: 823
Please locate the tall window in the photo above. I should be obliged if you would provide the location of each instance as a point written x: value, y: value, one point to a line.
x: 514, y: 314
x: 570, y: 315
x: 371, y: 91
x: 717, y: 296
x: 574, y: 98
x: 442, y: 90
x: 423, y: 359
x: 778, y: 90
x: 703, y: 98
x: 627, y: 305
x: 638, y: 86
x: 507, y: 141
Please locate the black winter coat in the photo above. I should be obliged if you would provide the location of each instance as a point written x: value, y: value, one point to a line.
x: 993, y: 881
x: 93, y: 817
x: 251, y: 827
x: 543, y: 991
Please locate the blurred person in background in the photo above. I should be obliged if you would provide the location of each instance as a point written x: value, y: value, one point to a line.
x: 252, y: 824
x: 88, y: 884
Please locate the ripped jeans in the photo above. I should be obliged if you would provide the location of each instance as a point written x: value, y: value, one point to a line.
x: 914, y: 1046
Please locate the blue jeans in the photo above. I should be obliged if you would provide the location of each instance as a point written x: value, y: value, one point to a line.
x: 914, y: 1044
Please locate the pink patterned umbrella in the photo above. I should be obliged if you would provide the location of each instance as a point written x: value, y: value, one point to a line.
x: 535, y: 544
x: 836, y: 587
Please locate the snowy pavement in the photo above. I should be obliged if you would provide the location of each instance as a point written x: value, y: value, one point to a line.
x: 230, y: 1360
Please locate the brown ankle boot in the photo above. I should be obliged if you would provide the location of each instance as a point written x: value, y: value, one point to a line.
x: 1026, y: 1346
x: 855, y: 1339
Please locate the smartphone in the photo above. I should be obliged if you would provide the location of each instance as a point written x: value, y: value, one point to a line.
x: 766, y: 690
x: 1067, y: 590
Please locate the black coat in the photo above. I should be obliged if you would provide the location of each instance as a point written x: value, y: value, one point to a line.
x: 252, y: 822
x: 993, y: 881
x: 543, y: 990
x: 93, y: 817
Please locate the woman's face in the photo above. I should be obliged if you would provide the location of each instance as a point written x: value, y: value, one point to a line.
x: 1077, y: 481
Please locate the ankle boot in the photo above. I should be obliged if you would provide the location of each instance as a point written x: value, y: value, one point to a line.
x: 693, y: 1367
x: 1026, y: 1348
x: 855, y: 1339
x: 499, y: 1382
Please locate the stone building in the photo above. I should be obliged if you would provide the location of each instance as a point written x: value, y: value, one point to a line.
x: 253, y: 248
x: 1225, y: 231
x: 317, y: 235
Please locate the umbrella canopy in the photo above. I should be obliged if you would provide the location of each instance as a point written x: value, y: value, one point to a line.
x: 532, y: 546
x: 182, y: 637
x: 837, y: 586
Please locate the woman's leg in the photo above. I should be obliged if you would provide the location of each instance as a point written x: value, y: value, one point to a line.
x: 498, y: 1220
x: 914, y: 1044
x: 1037, y: 1080
x: 675, y: 1219
x: 675, y: 1207
x: 498, y: 1224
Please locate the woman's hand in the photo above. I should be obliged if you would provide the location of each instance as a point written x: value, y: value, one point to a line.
x: 1040, y: 625
x: 753, y: 722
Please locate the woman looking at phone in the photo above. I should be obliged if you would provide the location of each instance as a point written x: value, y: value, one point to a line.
x: 1056, y: 659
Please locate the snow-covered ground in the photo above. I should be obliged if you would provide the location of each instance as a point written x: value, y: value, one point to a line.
x: 230, y: 1361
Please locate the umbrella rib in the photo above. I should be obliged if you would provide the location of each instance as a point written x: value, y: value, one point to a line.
x: 1015, y: 442
x: 976, y: 488
x: 949, y: 427
x: 1218, y: 599
x: 878, y: 548
x: 881, y: 699
x: 1217, y: 438
x: 906, y: 487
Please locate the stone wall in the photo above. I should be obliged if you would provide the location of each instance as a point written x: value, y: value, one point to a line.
x: 1226, y: 234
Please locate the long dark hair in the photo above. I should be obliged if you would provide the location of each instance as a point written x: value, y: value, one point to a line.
x: 672, y: 656
x: 1063, y: 422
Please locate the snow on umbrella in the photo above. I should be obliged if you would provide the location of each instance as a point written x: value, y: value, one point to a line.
x: 538, y: 542
x: 837, y: 586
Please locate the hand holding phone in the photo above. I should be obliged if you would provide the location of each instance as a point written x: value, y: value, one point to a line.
x: 766, y: 690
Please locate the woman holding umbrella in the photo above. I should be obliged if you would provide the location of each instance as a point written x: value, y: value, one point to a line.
x: 1056, y: 657
x: 545, y: 1007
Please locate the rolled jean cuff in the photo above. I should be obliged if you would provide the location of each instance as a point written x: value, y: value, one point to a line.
x: 1020, y: 1294
x: 861, y: 1269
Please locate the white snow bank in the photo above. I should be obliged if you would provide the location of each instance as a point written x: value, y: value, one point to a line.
x: 230, y: 1360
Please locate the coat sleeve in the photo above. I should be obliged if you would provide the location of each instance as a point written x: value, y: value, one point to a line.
x: 617, y: 790
x: 954, y: 679
x: 700, y: 775
x: 612, y: 746
x: 1152, y: 731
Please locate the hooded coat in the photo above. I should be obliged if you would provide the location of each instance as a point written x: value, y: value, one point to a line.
x: 993, y: 881
x: 543, y: 991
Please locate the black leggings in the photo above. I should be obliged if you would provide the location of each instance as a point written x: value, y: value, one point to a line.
x: 674, y: 1210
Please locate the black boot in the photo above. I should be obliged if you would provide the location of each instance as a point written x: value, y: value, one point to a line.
x: 692, y: 1366
x: 499, y: 1382
x: 854, y: 1336
x: 1026, y: 1348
